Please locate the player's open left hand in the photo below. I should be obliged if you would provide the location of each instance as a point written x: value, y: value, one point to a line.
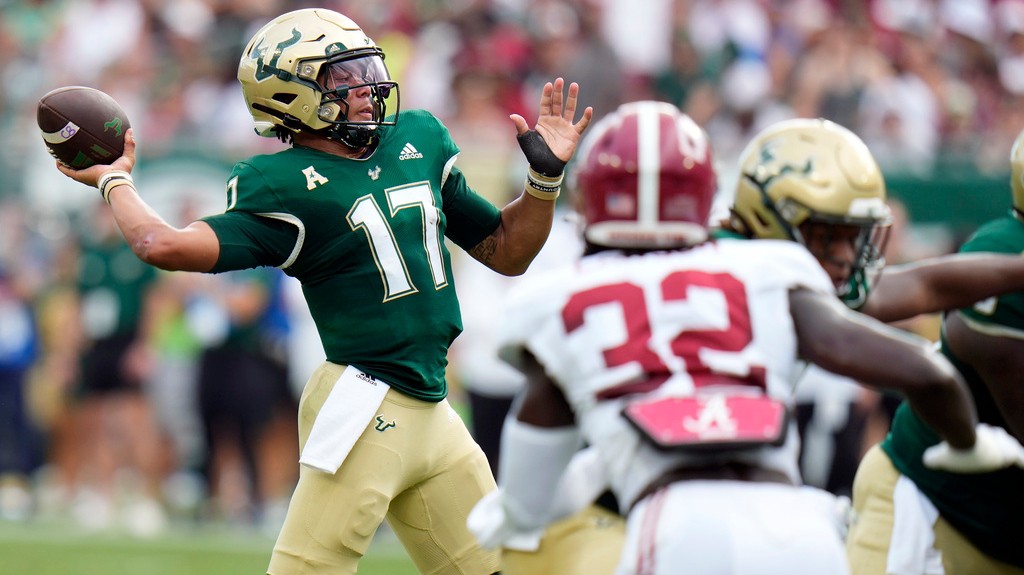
x: 90, y: 176
x: 552, y: 142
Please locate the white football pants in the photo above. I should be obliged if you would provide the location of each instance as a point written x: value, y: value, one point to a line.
x: 734, y: 528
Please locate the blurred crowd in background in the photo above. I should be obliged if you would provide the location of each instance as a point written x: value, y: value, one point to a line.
x: 201, y: 423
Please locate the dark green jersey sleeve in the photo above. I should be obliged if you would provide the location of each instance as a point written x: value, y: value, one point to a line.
x: 471, y: 217
x: 1004, y: 315
x: 249, y: 241
x: 254, y: 230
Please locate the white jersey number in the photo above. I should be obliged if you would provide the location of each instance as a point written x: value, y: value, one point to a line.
x: 394, y: 273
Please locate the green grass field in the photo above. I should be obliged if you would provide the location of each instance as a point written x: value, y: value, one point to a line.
x: 55, y: 549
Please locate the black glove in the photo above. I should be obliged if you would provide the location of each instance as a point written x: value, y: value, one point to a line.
x: 542, y: 160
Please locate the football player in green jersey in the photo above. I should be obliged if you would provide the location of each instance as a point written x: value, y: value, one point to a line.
x: 965, y: 523
x: 814, y: 182
x: 357, y: 209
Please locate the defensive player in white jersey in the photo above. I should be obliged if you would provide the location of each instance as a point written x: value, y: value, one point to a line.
x: 674, y: 357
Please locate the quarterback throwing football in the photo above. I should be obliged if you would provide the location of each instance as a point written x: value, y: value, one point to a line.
x: 358, y: 209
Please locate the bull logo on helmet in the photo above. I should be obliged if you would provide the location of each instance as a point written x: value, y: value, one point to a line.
x: 266, y: 69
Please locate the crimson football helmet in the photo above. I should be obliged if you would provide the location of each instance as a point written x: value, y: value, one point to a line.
x: 298, y: 69
x: 644, y: 179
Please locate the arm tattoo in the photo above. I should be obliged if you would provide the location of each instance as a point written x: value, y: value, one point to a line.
x: 483, y: 252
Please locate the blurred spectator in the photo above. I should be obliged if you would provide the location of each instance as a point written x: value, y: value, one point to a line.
x: 76, y: 53
x: 482, y: 128
x: 734, y: 27
x: 119, y: 445
x: 243, y: 392
x: 20, y: 442
x: 1010, y: 46
x: 746, y: 105
x: 838, y: 64
x: 685, y: 71
x: 565, y: 46
x: 900, y: 114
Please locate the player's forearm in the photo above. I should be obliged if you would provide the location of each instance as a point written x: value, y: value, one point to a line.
x: 907, y: 364
x: 858, y: 347
x: 525, y: 225
x: 943, y: 283
x: 156, y: 242
x: 947, y: 408
x: 532, y: 462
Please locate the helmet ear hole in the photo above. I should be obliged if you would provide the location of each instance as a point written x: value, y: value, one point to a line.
x: 284, y: 97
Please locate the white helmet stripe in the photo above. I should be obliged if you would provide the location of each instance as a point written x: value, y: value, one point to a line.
x: 649, y: 162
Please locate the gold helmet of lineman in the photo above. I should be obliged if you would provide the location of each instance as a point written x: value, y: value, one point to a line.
x: 805, y: 172
x: 298, y: 69
x: 1017, y: 175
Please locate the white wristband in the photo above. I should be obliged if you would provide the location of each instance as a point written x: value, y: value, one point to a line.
x: 112, y: 179
x: 542, y: 187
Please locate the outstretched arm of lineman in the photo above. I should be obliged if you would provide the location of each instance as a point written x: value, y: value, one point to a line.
x: 154, y: 241
x: 942, y: 283
x: 864, y: 349
x: 526, y: 221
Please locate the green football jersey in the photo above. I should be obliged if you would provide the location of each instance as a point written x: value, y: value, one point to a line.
x: 366, y: 239
x: 987, y: 508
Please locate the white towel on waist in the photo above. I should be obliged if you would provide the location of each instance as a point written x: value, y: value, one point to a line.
x: 912, y: 549
x: 349, y: 407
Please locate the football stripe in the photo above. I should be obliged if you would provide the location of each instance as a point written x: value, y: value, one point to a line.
x: 62, y: 135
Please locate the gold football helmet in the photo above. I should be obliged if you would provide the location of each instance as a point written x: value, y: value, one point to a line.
x: 1017, y: 174
x: 297, y: 71
x: 802, y: 173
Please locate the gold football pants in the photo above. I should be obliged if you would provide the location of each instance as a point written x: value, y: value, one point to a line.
x: 415, y: 465
x: 868, y: 542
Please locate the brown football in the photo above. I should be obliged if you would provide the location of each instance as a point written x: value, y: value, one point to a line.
x: 82, y: 126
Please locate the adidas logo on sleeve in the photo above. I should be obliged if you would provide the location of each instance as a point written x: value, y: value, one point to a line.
x: 409, y: 152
